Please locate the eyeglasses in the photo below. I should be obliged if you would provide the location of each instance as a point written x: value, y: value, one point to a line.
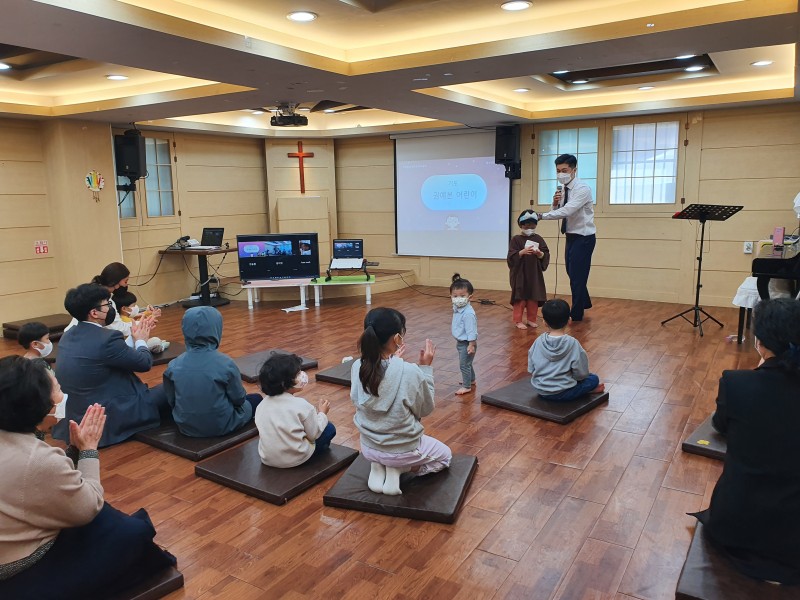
x: 109, y: 304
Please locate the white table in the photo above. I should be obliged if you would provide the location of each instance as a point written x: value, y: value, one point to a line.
x: 252, y: 288
x: 322, y: 283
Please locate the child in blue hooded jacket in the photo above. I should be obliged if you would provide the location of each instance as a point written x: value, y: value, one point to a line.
x: 203, y: 386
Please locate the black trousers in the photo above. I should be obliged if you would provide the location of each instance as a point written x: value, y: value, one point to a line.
x: 578, y: 260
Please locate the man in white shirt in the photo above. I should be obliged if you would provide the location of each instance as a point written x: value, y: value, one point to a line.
x: 575, y: 206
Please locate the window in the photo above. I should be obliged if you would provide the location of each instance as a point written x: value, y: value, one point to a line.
x: 158, y: 183
x: 582, y: 142
x: 154, y: 201
x: 644, y: 163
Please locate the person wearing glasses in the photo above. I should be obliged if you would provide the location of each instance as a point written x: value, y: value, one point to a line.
x: 95, y: 365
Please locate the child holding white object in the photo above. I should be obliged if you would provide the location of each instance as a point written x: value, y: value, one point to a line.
x: 465, y: 330
x: 391, y: 396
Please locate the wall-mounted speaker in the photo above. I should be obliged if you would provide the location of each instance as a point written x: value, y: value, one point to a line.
x: 506, y: 146
x: 129, y: 155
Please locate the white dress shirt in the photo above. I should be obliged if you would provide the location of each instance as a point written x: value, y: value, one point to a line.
x: 579, y: 209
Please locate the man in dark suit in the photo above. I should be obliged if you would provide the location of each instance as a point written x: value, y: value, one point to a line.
x: 95, y: 364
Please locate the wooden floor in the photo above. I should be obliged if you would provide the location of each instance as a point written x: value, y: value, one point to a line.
x: 595, y: 509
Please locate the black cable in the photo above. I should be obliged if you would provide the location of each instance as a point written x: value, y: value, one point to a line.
x: 123, y: 198
x: 158, y: 266
x: 419, y: 292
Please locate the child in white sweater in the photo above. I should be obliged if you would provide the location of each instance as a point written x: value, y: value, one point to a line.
x: 290, y: 430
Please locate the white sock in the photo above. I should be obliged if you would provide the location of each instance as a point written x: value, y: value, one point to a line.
x: 377, y: 475
x: 391, y: 487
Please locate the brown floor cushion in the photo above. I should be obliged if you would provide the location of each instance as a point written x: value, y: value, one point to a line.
x: 436, y: 497
x: 338, y: 374
x: 55, y: 323
x: 706, y: 441
x: 168, y: 438
x: 521, y: 397
x: 157, y: 586
x: 241, y: 468
x: 174, y: 351
x: 708, y: 575
x: 250, y: 364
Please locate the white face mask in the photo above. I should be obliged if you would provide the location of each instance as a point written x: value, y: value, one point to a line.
x: 134, y: 311
x: 61, y: 409
x: 302, y: 380
x: 460, y: 301
x: 564, y: 178
x: 48, y: 348
x: 528, y: 231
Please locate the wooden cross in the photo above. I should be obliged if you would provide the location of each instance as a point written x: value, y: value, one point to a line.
x: 301, y: 155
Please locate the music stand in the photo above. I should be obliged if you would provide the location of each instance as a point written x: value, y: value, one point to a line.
x: 702, y: 213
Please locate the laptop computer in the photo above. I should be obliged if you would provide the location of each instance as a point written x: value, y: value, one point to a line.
x: 347, y: 254
x: 212, y: 238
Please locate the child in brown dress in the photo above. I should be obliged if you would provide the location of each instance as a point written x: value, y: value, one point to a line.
x: 528, y: 258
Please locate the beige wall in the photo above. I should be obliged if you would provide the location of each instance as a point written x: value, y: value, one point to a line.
x: 43, y: 197
x: 219, y: 182
x: 745, y: 156
x: 748, y: 157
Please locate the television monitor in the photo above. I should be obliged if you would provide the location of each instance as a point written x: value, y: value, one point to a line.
x: 278, y: 256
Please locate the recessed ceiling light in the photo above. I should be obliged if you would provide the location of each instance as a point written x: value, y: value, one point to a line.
x: 522, y: 90
x: 304, y: 109
x: 647, y: 87
x: 559, y: 72
x: 761, y: 63
x: 258, y: 112
x: 420, y: 79
x: 302, y: 16
x: 694, y: 69
x: 516, y: 5
x: 685, y: 56
x: 117, y: 77
x: 651, y: 24
x: 329, y: 110
x: 580, y: 81
x: 447, y: 74
x: 4, y: 66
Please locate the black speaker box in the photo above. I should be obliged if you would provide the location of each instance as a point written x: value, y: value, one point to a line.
x: 506, y: 146
x: 129, y: 156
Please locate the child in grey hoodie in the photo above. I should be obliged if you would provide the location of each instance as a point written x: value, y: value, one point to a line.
x: 391, y: 396
x: 558, y: 363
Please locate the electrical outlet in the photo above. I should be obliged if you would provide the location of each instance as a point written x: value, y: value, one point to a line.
x: 748, y: 247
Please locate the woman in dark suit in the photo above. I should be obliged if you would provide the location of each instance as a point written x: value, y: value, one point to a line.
x: 754, y: 517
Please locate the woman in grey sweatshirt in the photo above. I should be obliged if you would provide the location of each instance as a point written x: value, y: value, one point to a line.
x: 391, y: 396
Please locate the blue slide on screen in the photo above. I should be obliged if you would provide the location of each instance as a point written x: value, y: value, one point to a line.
x: 452, y: 199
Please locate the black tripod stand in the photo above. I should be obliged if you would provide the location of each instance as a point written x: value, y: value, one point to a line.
x: 702, y: 213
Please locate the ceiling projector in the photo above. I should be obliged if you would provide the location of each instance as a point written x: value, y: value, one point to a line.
x: 288, y: 120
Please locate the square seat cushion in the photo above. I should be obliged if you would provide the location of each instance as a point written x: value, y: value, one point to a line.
x: 241, y: 469
x: 159, y: 585
x: 709, y: 575
x: 520, y: 396
x: 706, y: 441
x: 174, y: 351
x: 54, y: 323
x: 250, y: 364
x: 167, y: 437
x: 435, y: 497
x: 338, y: 374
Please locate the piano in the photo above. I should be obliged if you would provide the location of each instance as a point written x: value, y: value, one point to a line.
x: 787, y: 266
x: 767, y: 266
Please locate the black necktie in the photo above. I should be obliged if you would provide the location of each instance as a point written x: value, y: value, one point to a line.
x: 564, y: 220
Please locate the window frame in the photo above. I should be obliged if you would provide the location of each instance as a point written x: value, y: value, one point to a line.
x: 602, y: 176
x: 608, y: 151
x: 142, y: 219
